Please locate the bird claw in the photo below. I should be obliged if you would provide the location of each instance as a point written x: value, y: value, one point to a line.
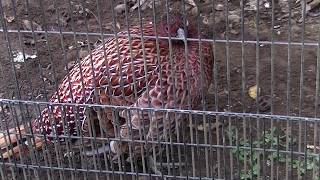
x: 157, y: 167
x: 11, y: 144
x: 103, y: 149
x: 153, y: 166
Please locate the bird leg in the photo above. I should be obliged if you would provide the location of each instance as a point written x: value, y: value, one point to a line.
x: 152, y: 164
x: 156, y: 151
x: 91, y: 128
x: 158, y: 167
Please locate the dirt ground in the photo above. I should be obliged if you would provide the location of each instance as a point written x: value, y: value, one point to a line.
x: 35, y: 78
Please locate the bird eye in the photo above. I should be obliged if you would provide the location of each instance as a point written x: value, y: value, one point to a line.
x: 167, y: 29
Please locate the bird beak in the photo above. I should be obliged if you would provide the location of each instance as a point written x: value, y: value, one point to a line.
x: 181, y: 34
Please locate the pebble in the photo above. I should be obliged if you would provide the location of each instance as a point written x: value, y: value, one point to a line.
x: 194, y: 10
x: 235, y: 32
x: 234, y: 18
x: 120, y: 8
x: 219, y: 7
x: 71, y: 64
x: 83, y: 53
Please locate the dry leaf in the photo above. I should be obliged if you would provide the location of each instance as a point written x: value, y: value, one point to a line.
x: 253, y: 92
x: 9, y: 19
x: 27, y: 25
x: 313, y: 147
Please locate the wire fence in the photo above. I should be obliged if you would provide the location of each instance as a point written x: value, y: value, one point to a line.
x: 114, y: 90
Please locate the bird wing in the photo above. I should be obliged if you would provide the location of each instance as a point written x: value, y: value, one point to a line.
x: 105, y: 64
x: 131, y: 67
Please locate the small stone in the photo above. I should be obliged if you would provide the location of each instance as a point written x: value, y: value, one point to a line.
x: 120, y: 8
x: 51, y: 8
x: 28, y: 25
x: 71, y: 64
x: 29, y: 41
x: 80, y: 22
x: 295, y: 28
x: 194, y: 10
x: 83, y: 53
x: 234, y: 18
x: 18, y: 66
x: 219, y: 7
x: 205, y: 20
x: 9, y: 19
x: 72, y: 55
x: 235, y: 32
x: 312, y: 68
x: 276, y: 27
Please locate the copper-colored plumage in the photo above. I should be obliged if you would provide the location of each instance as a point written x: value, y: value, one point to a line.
x: 130, y: 76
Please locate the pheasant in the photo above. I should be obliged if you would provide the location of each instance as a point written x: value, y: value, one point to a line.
x: 134, y: 73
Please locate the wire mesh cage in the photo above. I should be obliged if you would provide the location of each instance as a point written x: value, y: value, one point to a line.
x: 150, y: 89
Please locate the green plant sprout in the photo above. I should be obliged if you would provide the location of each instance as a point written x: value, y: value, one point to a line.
x: 269, y: 139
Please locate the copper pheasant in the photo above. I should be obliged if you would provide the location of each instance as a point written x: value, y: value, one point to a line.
x: 131, y: 72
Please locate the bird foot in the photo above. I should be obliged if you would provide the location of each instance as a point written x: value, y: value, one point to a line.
x: 94, y: 152
x: 157, y: 167
x: 152, y: 164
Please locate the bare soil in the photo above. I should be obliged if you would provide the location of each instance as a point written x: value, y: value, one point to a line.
x: 239, y: 66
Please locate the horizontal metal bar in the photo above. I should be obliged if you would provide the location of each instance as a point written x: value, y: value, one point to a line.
x: 29, y: 166
x: 161, y: 37
x: 182, y: 111
x: 216, y: 146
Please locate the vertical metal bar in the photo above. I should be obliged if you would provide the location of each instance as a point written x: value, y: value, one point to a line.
x: 108, y: 81
x: 119, y: 57
x: 9, y: 48
x: 77, y: 108
x: 216, y: 97
x: 27, y: 77
x: 93, y: 141
x: 66, y: 131
x: 117, y: 135
x: 39, y: 66
x: 258, y: 78
x: 301, y: 90
x: 288, y: 95
x: 189, y: 104
x: 272, y: 100
x: 8, y: 144
x: 161, y: 83
x: 147, y: 87
x: 227, y: 48
x: 173, y: 73
x: 132, y: 145
x: 243, y: 90
x: 83, y: 158
x: 133, y: 68
x: 315, y: 172
x: 251, y: 149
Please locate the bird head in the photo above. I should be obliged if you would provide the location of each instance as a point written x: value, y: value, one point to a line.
x: 174, y: 25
